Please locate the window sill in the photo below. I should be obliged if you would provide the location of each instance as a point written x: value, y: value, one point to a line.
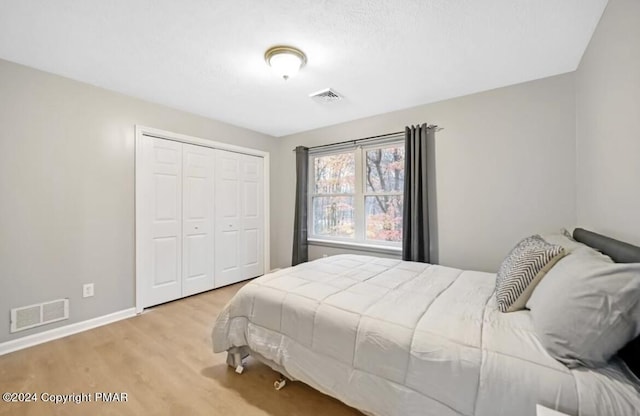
x: 356, y: 246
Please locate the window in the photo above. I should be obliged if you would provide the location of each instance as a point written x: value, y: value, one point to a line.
x: 356, y: 195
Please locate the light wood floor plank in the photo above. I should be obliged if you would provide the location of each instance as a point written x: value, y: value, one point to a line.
x: 163, y: 360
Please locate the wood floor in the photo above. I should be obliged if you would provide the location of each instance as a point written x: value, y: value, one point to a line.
x: 163, y: 360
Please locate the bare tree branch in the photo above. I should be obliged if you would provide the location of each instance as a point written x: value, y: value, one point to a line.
x: 376, y: 162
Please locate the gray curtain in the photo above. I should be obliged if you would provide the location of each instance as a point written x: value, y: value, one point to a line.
x: 415, y: 221
x: 300, y: 245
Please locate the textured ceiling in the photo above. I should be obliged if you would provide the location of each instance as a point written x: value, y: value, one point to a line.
x: 206, y: 57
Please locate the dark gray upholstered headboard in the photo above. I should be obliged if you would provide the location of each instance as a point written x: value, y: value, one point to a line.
x: 619, y: 252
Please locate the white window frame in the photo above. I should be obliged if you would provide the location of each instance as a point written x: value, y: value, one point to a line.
x: 359, y: 240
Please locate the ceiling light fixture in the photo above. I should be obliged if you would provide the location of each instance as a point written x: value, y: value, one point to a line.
x: 285, y: 61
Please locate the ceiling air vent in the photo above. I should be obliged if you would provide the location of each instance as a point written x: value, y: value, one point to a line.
x: 326, y: 96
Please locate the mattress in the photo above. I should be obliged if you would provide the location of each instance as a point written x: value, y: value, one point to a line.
x: 391, y: 337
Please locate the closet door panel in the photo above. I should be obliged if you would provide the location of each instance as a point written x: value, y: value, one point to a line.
x: 227, y: 213
x: 227, y: 255
x: 164, y: 263
x: 161, y: 232
x: 252, y: 216
x: 251, y: 251
x: 198, y: 221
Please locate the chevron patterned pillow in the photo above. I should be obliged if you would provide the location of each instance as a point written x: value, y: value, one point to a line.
x: 522, y: 269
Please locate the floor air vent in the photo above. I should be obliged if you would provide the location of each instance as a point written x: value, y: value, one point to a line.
x: 326, y: 96
x: 39, y: 314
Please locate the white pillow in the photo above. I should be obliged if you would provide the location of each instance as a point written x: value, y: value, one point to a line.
x: 564, y: 239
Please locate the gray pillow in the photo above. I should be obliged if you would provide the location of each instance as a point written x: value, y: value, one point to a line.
x: 587, y: 308
x: 522, y: 269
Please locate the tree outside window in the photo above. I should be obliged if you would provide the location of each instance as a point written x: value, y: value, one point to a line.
x: 357, y: 195
x: 384, y: 171
x: 333, y: 202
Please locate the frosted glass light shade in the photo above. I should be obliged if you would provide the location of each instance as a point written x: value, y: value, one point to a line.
x: 285, y: 61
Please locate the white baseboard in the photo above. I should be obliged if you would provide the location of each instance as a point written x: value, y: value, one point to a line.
x: 63, y: 331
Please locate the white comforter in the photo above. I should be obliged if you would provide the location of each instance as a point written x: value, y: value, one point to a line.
x: 402, y: 338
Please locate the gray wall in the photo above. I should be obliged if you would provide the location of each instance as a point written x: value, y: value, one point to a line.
x: 505, y: 168
x: 67, y: 189
x: 608, y: 126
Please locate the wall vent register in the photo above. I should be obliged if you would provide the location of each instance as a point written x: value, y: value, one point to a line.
x: 39, y: 314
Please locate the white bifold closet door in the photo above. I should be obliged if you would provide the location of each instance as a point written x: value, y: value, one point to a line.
x: 176, y: 201
x: 160, y: 202
x: 239, y: 217
x: 197, y: 219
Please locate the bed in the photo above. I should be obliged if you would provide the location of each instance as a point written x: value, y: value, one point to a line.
x: 391, y: 337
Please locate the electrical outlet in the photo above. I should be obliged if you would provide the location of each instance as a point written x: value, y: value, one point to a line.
x: 87, y: 290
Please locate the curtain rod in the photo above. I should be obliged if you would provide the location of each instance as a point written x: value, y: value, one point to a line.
x: 354, y: 141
